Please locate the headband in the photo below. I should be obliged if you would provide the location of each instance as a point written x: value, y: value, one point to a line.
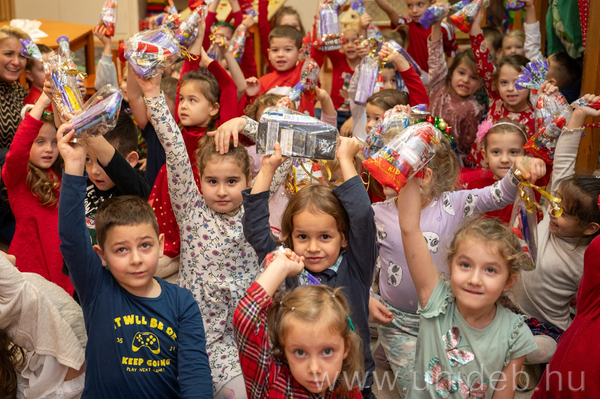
x: 485, y: 127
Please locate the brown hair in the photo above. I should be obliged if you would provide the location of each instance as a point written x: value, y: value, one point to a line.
x: 388, y: 99
x: 580, y: 195
x: 169, y: 86
x: 514, y: 34
x: 124, y: 210
x: 514, y: 60
x: 208, y: 86
x: 310, y: 305
x: 491, y: 231
x: 289, y: 32
x: 124, y: 137
x: 445, y: 169
x: 266, y: 100
x: 283, y: 11
x: 467, y: 57
x: 43, y: 50
x: 314, y: 198
x: 567, y: 70
x: 11, y: 357
x: 506, y: 126
x: 44, y: 185
x: 495, y: 36
x: 206, y: 152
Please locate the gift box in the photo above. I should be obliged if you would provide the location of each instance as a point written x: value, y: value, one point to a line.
x: 299, y: 135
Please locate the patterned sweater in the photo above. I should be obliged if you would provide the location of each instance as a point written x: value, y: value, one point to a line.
x: 12, y: 96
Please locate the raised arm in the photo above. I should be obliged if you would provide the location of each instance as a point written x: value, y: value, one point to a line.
x: 436, y: 61
x: 394, y: 16
x: 533, y: 37
x: 136, y: 100
x: 485, y: 66
x: 106, y: 71
x: 228, y: 99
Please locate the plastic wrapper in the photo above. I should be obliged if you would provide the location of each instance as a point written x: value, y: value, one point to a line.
x: 309, y: 79
x: 532, y: 76
x: 187, y: 32
x: 100, y: 113
x: 369, y: 72
x: 237, y: 43
x: 373, y: 31
x: 400, y: 50
x: 404, y: 156
x: 108, y: 16
x: 513, y: 5
x: 329, y: 37
x: 304, y: 172
x: 149, y: 52
x: 299, y: 135
x: 436, y: 13
x: 65, y: 91
x: 523, y: 223
x: 31, y: 50
x: 170, y: 18
x: 463, y: 19
x: 582, y: 103
x: 214, y: 51
x: 543, y: 143
x: 304, y: 278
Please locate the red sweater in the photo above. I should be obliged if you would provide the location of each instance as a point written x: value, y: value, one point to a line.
x: 34, y: 94
x: 159, y: 200
x: 286, y: 79
x: 341, y: 75
x: 35, y: 244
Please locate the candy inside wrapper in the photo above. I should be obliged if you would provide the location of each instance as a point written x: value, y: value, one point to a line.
x: 463, y: 19
x: 149, y: 52
x: 187, y: 32
x: 65, y: 92
x: 404, y: 156
x: 369, y: 72
x: 543, y: 143
x: 393, y: 122
x: 237, y: 43
x: 108, y: 17
x: 215, y: 39
x: 513, y: 5
x: 524, y: 225
x: 31, y: 50
x: 534, y: 74
x: 304, y: 278
x: 100, y: 113
x: 436, y: 13
x: 299, y: 135
x: 373, y: 31
x: 400, y: 50
x: 329, y: 36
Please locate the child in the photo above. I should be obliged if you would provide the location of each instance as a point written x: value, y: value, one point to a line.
x: 32, y: 175
x: 333, y: 229
x: 513, y: 43
x: 469, y: 345
x: 176, y: 69
x: 203, y: 101
x: 34, y: 72
x: 452, y: 92
x: 145, y: 336
x: 344, y: 62
x: 417, y: 47
x: 41, y: 318
x: 314, y: 349
x: 493, y: 38
x: 217, y: 264
x: 545, y: 292
x: 106, y: 71
x: 443, y: 211
x: 285, y: 16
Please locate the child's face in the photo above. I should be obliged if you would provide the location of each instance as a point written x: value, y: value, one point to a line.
x: 495, y: 53
x: 389, y: 78
x: 501, y: 151
x: 44, y: 149
x: 290, y: 20
x: 416, y: 8
x: 283, y: 53
x: 96, y: 173
x: 194, y: 108
x: 512, y: 45
x: 374, y: 115
x: 478, y: 276
x: 464, y: 82
x: 131, y: 254
x: 176, y: 74
x: 349, y: 48
x: 222, y: 183
x: 514, y: 100
x: 226, y: 31
x: 36, y: 74
x: 566, y: 225
x: 315, y: 354
x: 316, y: 237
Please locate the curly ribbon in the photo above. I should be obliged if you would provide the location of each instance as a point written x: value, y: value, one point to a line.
x: 530, y: 203
x: 187, y: 54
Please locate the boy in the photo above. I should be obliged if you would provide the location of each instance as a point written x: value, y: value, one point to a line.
x: 284, y: 52
x: 417, y: 47
x: 34, y: 73
x: 145, y: 336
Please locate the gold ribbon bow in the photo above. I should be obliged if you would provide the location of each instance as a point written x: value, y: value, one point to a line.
x: 530, y: 203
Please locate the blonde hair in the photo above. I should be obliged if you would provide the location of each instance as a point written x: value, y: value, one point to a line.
x: 9, y: 31
x: 266, y: 100
x: 445, y: 169
x: 514, y: 34
x: 312, y: 304
x: 42, y: 184
x: 505, y: 126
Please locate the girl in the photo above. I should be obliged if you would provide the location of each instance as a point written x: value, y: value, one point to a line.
x: 513, y: 43
x: 42, y: 337
x: 443, y: 212
x: 314, y: 347
x: 332, y: 228
x: 32, y: 175
x: 544, y: 293
x: 202, y: 101
x: 452, y: 91
x: 469, y: 345
x: 217, y: 264
x: 502, y: 143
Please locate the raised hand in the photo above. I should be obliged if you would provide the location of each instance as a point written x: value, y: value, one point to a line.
x: 227, y: 131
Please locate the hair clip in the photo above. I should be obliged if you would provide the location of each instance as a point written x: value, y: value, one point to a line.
x: 293, y: 307
x: 350, y: 323
x: 48, y: 113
